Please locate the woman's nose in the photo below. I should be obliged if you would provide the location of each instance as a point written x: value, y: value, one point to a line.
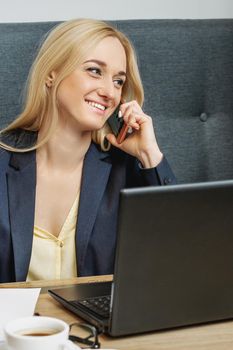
x: 106, y: 89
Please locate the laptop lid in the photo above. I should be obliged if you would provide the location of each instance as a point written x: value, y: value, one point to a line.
x: 174, y: 261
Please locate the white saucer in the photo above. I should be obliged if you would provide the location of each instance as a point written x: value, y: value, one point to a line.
x: 3, y: 346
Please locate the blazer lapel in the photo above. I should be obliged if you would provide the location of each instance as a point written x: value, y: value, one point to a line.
x: 21, y: 179
x: 96, y: 172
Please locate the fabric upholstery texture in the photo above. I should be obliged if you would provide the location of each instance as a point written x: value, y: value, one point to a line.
x: 187, y: 72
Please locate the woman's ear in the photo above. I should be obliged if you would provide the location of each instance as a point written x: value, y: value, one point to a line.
x: 50, y: 79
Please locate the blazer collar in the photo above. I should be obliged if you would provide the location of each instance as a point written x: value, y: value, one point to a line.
x: 22, y: 139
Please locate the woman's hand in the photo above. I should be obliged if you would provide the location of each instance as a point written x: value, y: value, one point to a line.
x: 141, y: 143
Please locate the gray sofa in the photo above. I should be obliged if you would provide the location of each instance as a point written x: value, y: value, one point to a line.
x: 187, y: 71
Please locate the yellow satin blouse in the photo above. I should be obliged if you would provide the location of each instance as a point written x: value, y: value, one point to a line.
x: 55, y: 257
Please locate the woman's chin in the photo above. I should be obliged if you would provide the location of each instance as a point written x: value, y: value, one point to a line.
x: 94, y: 127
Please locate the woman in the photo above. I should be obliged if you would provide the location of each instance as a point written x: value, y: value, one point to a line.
x: 61, y: 167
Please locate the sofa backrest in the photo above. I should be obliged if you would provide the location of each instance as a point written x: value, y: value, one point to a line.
x: 187, y: 71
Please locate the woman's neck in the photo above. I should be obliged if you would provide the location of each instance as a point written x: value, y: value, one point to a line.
x: 64, y: 151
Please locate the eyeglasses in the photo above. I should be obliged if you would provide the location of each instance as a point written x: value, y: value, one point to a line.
x: 87, y: 335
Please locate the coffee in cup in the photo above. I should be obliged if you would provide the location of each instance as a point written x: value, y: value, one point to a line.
x: 38, y: 333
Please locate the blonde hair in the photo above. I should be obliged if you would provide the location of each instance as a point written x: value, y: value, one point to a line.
x: 62, y: 51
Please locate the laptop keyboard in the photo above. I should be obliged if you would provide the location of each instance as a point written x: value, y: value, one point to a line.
x: 97, y: 305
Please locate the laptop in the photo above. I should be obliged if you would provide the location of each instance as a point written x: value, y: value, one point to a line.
x: 173, y: 264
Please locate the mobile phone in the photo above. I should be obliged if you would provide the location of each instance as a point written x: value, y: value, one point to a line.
x: 118, y: 126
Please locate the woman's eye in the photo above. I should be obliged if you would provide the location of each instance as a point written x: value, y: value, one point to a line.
x: 119, y: 82
x: 94, y: 70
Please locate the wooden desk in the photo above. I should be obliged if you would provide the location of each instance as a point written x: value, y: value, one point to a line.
x: 217, y: 336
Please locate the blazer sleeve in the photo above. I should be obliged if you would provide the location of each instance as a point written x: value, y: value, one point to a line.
x: 161, y: 175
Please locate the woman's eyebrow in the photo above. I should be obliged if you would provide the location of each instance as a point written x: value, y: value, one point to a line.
x: 103, y: 64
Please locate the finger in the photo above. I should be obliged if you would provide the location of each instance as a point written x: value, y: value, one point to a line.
x: 126, y: 114
x: 136, y: 120
x: 130, y: 116
x: 133, y: 105
x: 132, y: 122
x: 112, y: 139
x: 141, y: 118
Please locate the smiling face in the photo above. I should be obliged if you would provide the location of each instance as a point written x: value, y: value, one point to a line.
x: 92, y: 92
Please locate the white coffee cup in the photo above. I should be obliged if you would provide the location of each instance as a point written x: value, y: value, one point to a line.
x: 38, y: 333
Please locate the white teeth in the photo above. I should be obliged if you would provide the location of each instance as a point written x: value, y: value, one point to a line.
x: 97, y: 105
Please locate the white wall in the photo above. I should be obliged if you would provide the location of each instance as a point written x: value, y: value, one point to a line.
x: 50, y: 10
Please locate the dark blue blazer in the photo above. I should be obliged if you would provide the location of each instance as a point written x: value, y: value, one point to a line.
x: 104, y: 175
